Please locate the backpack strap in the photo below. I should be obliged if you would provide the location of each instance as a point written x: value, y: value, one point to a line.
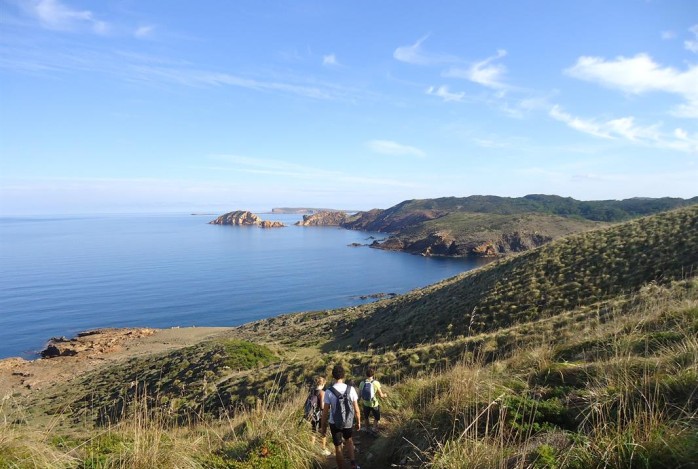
x: 336, y: 393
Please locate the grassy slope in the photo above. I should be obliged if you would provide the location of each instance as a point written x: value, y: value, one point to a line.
x: 573, y: 337
x: 578, y: 270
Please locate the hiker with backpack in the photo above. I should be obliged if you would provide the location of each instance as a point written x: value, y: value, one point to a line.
x: 313, y: 409
x: 369, y: 390
x: 342, y: 413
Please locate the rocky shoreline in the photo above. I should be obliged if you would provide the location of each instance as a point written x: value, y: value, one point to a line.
x: 65, y: 358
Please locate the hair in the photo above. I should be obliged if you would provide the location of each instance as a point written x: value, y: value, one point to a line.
x: 370, y: 372
x: 338, y: 372
x: 319, y: 381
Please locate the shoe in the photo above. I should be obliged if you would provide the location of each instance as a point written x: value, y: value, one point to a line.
x: 326, y: 452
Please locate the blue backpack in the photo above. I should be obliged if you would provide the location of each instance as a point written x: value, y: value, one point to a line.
x: 368, y: 392
x: 343, y: 412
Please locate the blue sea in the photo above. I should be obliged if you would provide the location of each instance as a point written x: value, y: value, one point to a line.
x: 63, y: 275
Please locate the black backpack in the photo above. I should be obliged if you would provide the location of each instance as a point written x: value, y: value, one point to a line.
x: 313, y: 407
x: 343, y: 412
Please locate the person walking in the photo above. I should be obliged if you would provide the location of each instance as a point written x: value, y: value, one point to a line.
x: 313, y: 410
x: 369, y: 390
x: 342, y: 412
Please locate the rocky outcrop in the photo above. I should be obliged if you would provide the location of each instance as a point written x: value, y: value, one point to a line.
x: 444, y: 244
x: 245, y: 218
x: 98, y: 341
x: 391, y: 220
x: 324, y: 218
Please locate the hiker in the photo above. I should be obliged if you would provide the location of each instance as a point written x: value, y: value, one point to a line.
x: 370, y: 390
x: 313, y: 409
x: 342, y: 412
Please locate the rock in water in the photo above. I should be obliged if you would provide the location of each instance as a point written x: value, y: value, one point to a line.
x: 246, y: 218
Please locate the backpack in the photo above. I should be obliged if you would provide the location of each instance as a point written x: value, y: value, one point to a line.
x: 368, y: 391
x: 313, y: 408
x: 343, y: 412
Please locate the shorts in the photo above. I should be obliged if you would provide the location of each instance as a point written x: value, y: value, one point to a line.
x: 338, y: 433
x: 376, y: 411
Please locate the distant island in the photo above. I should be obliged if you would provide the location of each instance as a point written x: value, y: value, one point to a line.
x: 304, y: 210
x: 245, y: 218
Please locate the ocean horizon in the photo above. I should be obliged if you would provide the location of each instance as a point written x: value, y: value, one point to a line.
x: 60, y: 275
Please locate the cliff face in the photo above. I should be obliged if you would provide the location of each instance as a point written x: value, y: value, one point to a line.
x: 481, y: 235
x: 242, y: 217
x: 324, y: 218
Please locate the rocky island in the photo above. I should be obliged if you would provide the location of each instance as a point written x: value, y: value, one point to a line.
x: 245, y: 218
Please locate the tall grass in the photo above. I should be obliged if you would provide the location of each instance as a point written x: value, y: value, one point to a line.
x: 270, y: 435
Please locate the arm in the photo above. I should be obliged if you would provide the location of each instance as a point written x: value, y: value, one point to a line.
x: 379, y: 390
x: 323, y: 420
x: 357, y: 413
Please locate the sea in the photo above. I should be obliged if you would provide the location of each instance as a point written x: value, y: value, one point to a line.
x: 60, y: 275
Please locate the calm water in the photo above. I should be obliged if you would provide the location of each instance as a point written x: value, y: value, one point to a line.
x: 59, y: 276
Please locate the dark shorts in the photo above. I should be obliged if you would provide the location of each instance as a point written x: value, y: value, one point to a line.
x: 376, y: 411
x: 338, y: 433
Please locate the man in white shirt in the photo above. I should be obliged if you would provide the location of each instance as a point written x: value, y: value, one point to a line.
x: 332, y: 396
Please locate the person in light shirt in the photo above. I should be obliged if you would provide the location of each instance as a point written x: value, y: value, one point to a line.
x: 340, y: 388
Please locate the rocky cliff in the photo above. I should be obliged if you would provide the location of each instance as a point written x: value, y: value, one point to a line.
x: 481, y: 235
x: 242, y: 217
x: 445, y: 244
x: 323, y: 218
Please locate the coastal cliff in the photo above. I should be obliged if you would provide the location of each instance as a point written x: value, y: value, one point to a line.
x: 245, y: 218
x: 323, y: 218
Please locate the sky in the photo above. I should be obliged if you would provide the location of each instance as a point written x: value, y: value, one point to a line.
x: 121, y: 106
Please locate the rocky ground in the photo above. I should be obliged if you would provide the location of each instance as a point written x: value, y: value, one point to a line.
x: 91, y: 350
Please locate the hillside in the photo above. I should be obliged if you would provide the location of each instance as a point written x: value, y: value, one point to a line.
x: 581, y: 354
x: 575, y: 271
x: 494, y: 226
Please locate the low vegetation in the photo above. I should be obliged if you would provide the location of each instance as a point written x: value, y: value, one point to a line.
x: 579, y: 354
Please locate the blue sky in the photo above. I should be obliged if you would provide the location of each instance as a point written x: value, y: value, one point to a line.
x: 132, y: 106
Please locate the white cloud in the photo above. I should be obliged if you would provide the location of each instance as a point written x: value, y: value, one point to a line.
x: 626, y: 129
x: 388, y: 147
x: 52, y: 14
x: 416, y: 55
x: 443, y: 93
x: 330, y: 60
x: 143, y: 32
x: 692, y: 44
x: 640, y: 74
x: 586, y: 126
x: 485, y: 72
x: 668, y: 35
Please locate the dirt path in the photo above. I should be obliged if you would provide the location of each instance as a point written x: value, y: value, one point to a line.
x: 365, y: 446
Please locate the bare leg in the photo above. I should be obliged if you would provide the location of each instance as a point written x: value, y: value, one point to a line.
x: 339, y: 456
x: 350, y: 448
